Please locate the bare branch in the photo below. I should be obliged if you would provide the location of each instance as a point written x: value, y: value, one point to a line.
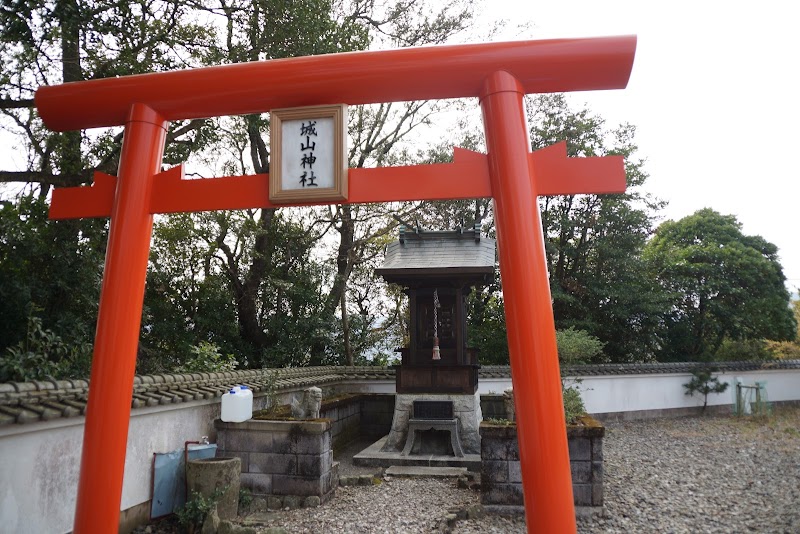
x: 9, y: 103
x: 57, y: 180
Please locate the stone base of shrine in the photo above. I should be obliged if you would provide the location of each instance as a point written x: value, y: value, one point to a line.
x: 374, y: 456
x: 466, y: 409
x: 430, y: 429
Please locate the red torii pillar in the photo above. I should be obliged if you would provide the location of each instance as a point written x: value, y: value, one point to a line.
x: 500, y: 74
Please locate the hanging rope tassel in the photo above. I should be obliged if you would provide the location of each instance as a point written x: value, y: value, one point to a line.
x: 436, y: 306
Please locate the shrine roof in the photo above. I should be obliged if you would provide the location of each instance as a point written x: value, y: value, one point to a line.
x: 428, y: 253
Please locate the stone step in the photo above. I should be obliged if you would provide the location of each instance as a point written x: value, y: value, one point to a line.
x: 419, y: 471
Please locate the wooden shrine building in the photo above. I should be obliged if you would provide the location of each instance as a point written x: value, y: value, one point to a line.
x: 438, y: 268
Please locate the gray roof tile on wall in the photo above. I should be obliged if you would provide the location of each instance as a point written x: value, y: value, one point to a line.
x: 30, y: 402
x: 504, y: 371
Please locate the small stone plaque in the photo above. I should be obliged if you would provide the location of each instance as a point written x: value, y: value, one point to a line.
x: 433, y: 409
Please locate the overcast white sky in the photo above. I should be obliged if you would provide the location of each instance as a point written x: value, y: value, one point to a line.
x: 714, y: 93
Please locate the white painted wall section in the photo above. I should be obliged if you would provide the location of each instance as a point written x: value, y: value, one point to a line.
x: 625, y: 393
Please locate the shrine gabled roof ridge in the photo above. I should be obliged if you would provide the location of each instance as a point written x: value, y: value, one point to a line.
x: 458, y: 234
x: 439, y: 251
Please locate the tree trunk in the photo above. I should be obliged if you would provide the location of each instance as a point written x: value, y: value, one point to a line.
x: 343, y: 258
x: 344, y: 266
x: 348, y: 350
x: 67, y: 12
x: 247, y: 292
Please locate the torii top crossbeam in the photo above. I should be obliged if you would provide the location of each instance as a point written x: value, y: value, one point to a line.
x: 423, y: 73
x: 499, y: 74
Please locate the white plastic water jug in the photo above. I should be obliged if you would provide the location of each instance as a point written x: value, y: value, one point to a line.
x: 237, y: 405
x: 248, y: 393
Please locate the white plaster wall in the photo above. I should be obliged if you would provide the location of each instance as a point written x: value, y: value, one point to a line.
x: 493, y: 386
x: 624, y: 393
x: 39, y: 463
x: 39, y: 474
x: 368, y: 386
x: 782, y: 385
x: 162, y: 430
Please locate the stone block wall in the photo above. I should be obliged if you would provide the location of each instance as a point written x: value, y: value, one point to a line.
x: 586, y: 462
x: 376, y: 415
x: 358, y: 415
x: 344, y: 414
x: 501, y: 476
x: 282, y: 457
x: 493, y: 407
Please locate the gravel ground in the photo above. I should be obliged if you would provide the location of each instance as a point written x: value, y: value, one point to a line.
x: 398, y: 505
x: 694, y: 475
x: 702, y: 474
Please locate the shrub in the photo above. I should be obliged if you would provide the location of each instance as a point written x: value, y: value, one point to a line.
x: 733, y: 350
x: 577, y: 346
x: 573, y: 405
x: 43, y: 354
x: 784, y: 350
x: 245, y: 499
x: 196, y: 509
x: 703, y: 382
x: 206, y: 358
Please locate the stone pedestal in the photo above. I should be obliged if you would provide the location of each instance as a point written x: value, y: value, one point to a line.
x: 418, y: 426
x: 282, y: 458
x: 208, y: 475
x: 466, y: 411
x: 501, y: 474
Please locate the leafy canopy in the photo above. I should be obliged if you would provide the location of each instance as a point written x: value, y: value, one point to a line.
x: 721, y: 284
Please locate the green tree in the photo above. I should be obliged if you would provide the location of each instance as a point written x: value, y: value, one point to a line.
x: 189, y: 299
x: 796, y: 310
x: 722, y: 284
x: 55, y: 267
x: 737, y: 350
x: 46, y: 43
x: 59, y: 290
x: 266, y: 285
x: 377, y: 137
x: 43, y: 354
x: 594, y: 242
x: 206, y: 358
x: 486, y: 326
x: 703, y: 382
x: 248, y: 243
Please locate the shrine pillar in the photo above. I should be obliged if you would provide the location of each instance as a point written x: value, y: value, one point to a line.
x: 541, y: 427
x: 119, y: 318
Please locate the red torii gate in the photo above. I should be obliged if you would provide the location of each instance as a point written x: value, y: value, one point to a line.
x: 500, y: 74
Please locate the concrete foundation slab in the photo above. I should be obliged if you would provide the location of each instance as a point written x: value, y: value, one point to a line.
x: 425, y: 472
x: 373, y: 456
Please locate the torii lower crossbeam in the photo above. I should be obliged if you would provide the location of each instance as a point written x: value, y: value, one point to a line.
x: 499, y: 74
